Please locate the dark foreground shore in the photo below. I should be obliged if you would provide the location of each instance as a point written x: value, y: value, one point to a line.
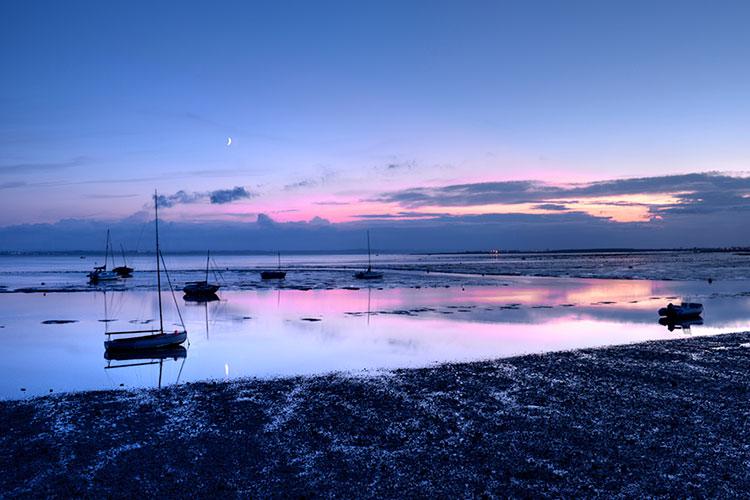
x: 665, y: 418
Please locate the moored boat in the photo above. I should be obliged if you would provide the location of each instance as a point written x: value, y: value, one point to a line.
x: 683, y: 310
x: 155, y: 338
x: 124, y: 271
x: 275, y: 274
x: 100, y: 273
x: 198, y: 289
x: 368, y: 274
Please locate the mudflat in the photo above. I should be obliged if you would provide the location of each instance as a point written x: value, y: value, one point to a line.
x: 663, y: 418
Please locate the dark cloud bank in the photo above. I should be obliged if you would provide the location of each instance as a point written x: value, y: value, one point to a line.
x: 696, y: 193
x: 712, y: 212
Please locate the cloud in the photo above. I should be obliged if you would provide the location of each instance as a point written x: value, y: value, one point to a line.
x: 265, y: 220
x: 332, y: 203
x: 222, y: 196
x: 402, y: 215
x: 400, y: 165
x: 25, y: 168
x: 304, y: 183
x: 698, y: 192
x: 550, y: 206
x: 445, y: 233
x: 217, y: 197
x: 309, y: 182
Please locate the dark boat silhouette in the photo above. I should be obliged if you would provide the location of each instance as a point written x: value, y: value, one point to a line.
x: 124, y: 271
x: 206, y: 297
x: 199, y: 289
x: 684, y: 310
x: 275, y: 274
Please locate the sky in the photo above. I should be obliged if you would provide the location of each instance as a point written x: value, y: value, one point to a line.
x: 536, y: 124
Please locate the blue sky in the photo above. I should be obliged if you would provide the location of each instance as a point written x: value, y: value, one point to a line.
x: 333, y: 105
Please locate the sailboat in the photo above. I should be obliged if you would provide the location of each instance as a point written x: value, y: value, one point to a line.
x: 200, y: 289
x: 369, y: 274
x: 156, y: 339
x: 100, y: 273
x: 124, y: 270
x: 276, y: 274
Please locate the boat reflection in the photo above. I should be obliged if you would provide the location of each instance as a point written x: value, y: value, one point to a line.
x: 146, y: 357
x: 673, y: 324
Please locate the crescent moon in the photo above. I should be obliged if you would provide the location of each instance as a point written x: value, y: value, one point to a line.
x: 229, y: 141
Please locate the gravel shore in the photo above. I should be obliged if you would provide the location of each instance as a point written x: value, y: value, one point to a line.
x: 667, y: 418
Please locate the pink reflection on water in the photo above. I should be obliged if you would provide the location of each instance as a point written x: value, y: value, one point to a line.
x: 293, y: 332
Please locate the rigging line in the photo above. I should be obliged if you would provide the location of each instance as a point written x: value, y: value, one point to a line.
x: 217, y: 270
x: 182, y: 365
x: 171, y: 289
x: 138, y: 242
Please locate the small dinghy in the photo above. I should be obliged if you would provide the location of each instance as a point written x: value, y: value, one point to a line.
x: 368, y: 274
x: 684, y: 310
x: 275, y: 274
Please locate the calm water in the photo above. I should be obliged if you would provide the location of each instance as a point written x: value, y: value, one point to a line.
x: 240, y: 272
x: 289, y: 332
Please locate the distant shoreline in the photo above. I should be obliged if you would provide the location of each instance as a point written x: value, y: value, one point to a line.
x: 661, y: 418
x: 593, y: 251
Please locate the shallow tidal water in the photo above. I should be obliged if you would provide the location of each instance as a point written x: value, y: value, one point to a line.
x: 54, y: 341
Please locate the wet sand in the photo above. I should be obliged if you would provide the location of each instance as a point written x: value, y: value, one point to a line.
x: 665, y: 418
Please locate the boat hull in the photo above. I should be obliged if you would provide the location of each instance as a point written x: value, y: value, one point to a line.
x: 146, y: 342
x: 273, y: 275
x: 682, y: 311
x: 123, y: 271
x: 207, y: 297
x: 368, y: 275
x: 200, y: 289
x: 103, y: 276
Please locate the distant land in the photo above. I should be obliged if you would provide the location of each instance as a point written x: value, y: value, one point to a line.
x: 359, y: 251
x: 509, y: 232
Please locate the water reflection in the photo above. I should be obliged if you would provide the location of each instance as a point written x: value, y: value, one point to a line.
x: 292, y: 332
x: 673, y: 324
x: 147, y: 357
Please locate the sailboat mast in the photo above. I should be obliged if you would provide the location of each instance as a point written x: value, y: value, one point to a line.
x: 369, y: 259
x: 158, y: 267
x: 106, y: 251
x: 122, y: 249
x: 208, y: 256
